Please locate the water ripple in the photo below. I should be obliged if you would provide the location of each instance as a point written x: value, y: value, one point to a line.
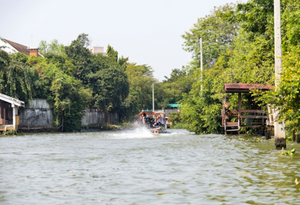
x: 137, y: 167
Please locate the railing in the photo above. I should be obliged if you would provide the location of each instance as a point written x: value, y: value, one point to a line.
x: 242, y: 115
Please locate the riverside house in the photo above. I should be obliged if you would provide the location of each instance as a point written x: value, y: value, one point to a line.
x: 9, y: 118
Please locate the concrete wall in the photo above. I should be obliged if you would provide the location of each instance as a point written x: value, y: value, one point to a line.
x: 94, y: 117
x: 39, y: 114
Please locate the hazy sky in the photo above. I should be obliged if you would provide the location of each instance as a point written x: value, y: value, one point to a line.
x: 147, y: 31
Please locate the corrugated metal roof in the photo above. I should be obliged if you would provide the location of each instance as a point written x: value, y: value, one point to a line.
x: 244, y: 87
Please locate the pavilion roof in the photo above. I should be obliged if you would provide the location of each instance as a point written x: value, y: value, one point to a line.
x: 244, y: 87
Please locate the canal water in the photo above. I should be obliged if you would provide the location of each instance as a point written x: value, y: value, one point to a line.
x: 137, y: 167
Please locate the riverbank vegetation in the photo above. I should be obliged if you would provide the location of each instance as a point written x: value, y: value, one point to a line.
x: 71, y: 78
x: 238, y: 47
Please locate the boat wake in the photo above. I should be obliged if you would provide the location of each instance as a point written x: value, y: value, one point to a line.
x: 138, y: 132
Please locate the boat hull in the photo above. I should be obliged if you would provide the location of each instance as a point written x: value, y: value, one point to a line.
x: 158, y: 131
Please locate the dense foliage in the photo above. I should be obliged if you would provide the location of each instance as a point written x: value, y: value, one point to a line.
x: 287, y: 95
x: 14, y: 76
x: 71, y: 78
x: 238, y: 47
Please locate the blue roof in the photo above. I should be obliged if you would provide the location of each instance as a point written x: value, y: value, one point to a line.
x: 175, y: 105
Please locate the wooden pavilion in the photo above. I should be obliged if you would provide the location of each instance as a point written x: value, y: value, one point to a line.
x: 245, y: 118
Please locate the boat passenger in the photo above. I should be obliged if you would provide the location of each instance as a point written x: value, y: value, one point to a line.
x: 159, y: 121
x: 144, y: 119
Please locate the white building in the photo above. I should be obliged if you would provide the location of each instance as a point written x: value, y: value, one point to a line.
x: 97, y: 49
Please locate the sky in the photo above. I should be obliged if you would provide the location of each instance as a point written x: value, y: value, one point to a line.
x: 147, y: 31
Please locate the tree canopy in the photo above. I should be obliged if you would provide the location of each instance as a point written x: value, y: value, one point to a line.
x: 238, y: 47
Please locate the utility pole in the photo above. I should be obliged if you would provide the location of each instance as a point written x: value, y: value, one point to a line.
x: 152, y: 97
x: 278, y: 52
x: 201, y: 64
x: 201, y: 61
x: 279, y: 132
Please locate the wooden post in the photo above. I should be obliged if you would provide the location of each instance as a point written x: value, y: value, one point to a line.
x: 298, y: 138
x: 14, y: 115
x: 239, y: 111
x: 225, y: 128
x: 4, y: 115
x: 17, y: 117
x: 294, y: 135
x: 240, y: 105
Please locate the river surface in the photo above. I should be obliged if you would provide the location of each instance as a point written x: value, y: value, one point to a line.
x: 137, y: 167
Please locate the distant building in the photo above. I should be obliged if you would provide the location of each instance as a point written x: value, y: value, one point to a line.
x: 12, y: 47
x: 97, y: 49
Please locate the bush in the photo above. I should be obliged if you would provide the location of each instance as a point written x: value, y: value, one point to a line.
x: 177, y: 126
x: 175, y: 118
x: 10, y: 132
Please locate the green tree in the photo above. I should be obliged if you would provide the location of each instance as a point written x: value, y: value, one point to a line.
x: 172, y: 89
x: 112, y: 53
x: 140, y: 79
x: 15, y: 78
x: 286, y: 97
x: 66, y: 93
x: 80, y: 56
x: 217, y: 35
x: 54, y: 47
x: 247, y: 57
x: 201, y: 109
x: 110, y: 87
x: 250, y: 61
x: 4, y: 62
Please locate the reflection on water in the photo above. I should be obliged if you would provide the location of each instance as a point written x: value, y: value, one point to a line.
x: 137, y: 167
